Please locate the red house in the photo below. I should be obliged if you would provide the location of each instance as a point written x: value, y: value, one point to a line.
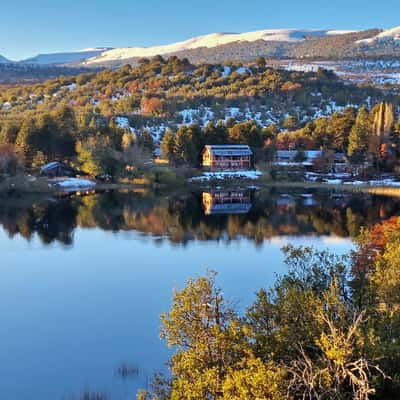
x: 226, y: 157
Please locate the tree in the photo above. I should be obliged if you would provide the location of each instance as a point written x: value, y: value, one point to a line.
x: 246, y: 133
x: 23, y: 142
x: 215, y: 134
x: 339, y: 128
x: 290, y: 122
x: 167, y: 146
x: 254, y: 380
x: 383, y: 120
x: 359, y: 136
x: 188, y: 144
x: 261, y: 62
x: 10, y: 162
x: 209, y: 338
x: 147, y: 141
x: 339, y: 369
x: 9, y: 132
x: 152, y: 105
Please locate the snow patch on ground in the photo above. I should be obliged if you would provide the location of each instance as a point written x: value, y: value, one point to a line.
x: 199, y: 116
x: 210, y: 41
x: 389, y: 34
x: 222, y: 175
x: 75, y: 183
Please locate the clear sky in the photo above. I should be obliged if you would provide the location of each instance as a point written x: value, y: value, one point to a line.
x: 29, y: 27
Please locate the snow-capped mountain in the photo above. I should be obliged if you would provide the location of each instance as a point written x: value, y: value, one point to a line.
x: 219, y: 47
x: 211, y: 41
x: 4, y: 60
x: 65, y: 58
x: 386, y: 35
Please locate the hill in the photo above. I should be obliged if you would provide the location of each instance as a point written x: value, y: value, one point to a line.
x: 279, y: 44
x: 3, y: 60
x: 64, y: 58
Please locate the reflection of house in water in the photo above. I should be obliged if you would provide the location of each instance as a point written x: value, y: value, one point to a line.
x: 226, y: 157
x: 227, y: 202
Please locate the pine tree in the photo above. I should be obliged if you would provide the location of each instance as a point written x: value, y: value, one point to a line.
x: 359, y: 136
x: 167, y: 146
x: 24, y: 140
x: 147, y: 140
x: 9, y: 132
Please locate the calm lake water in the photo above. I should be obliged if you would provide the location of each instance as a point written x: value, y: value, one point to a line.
x: 83, y: 279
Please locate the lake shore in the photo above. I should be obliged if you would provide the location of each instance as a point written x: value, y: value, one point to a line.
x: 24, y: 185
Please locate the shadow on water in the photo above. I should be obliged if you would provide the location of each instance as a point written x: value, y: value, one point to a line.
x: 204, y: 216
x: 128, y: 371
x: 89, y: 395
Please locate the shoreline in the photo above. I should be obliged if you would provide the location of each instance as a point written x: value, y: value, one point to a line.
x: 21, y: 187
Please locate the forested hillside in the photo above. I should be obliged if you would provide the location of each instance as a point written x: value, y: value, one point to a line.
x: 186, y: 106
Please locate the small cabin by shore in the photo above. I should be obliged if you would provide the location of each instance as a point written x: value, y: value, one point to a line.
x: 226, y: 157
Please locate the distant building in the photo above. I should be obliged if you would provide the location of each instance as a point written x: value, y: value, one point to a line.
x: 227, y: 202
x: 338, y: 161
x: 57, y: 169
x: 291, y: 156
x: 226, y: 157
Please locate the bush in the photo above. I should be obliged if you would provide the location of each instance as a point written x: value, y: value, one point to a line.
x: 10, y: 162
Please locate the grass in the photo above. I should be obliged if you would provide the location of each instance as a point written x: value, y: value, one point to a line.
x: 24, y: 184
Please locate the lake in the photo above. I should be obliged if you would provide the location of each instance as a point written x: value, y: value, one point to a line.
x: 84, y: 278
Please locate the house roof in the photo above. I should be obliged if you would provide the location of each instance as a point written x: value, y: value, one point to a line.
x: 310, y: 154
x: 54, y: 165
x: 50, y: 166
x: 229, y: 150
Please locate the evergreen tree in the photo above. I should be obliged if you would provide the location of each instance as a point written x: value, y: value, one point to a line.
x: 24, y: 140
x: 9, y: 132
x: 147, y: 141
x: 186, y: 150
x: 167, y: 146
x: 359, y: 136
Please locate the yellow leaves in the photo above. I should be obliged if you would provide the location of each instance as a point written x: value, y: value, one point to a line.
x: 199, y: 385
x: 385, y: 279
x: 335, y: 348
x: 252, y: 379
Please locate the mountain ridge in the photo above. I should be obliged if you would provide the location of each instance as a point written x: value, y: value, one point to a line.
x: 270, y: 43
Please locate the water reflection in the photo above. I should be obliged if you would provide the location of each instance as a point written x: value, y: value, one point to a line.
x: 227, y: 202
x: 183, y: 217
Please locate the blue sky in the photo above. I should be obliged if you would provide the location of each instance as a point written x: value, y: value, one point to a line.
x: 28, y: 27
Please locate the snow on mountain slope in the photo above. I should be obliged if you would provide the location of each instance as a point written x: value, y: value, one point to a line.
x: 4, y: 60
x: 65, y: 58
x: 210, y: 41
x: 389, y: 34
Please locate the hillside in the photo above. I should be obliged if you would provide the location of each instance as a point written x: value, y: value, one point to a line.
x: 388, y: 35
x: 112, y: 120
x: 280, y: 44
x: 211, y: 41
x: 64, y: 58
x: 3, y: 60
x: 174, y: 91
x: 308, y: 44
x: 18, y: 73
